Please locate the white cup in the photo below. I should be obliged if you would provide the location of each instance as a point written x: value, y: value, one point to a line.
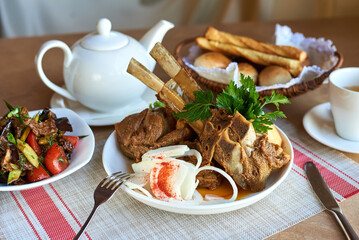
x: 344, y: 102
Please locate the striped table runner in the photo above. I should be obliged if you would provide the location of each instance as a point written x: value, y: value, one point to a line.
x: 58, y: 210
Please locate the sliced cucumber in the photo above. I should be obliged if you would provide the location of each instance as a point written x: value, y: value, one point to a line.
x: 29, y: 153
x: 13, y: 176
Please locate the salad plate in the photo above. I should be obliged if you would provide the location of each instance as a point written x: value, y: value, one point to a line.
x: 114, y: 160
x: 94, y: 118
x: 81, y: 155
x: 319, y: 124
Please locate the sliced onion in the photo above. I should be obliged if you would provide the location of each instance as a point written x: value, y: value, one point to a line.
x: 189, y: 184
x: 140, y: 179
x: 229, y: 178
x: 196, y: 154
x: 196, y: 199
x: 169, y: 186
x: 169, y: 151
x: 212, y: 197
x: 144, y: 166
x: 183, y: 183
x: 133, y: 186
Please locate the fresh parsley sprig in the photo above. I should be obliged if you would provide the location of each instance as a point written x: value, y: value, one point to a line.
x: 244, y: 99
x: 200, y: 109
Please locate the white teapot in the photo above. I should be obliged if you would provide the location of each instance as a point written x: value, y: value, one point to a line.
x: 95, y: 70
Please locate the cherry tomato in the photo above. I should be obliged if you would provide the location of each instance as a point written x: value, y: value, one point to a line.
x: 55, y: 159
x: 72, y: 139
x: 32, y: 141
x: 37, y: 174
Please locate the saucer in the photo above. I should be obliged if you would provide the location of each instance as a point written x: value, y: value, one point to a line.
x: 319, y: 124
x: 94, y: 118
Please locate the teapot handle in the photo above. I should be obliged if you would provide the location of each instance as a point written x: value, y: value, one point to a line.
x: 68, y: 57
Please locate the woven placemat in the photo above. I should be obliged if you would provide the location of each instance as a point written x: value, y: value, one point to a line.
x: 58, y: 210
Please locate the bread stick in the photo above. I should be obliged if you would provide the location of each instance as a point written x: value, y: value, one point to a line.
x: 293, y: 66
x: 245, y: 42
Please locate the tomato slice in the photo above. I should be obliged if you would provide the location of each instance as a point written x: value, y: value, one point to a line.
x: 37, y: 174
x: 72, y: 139
x: 55, y: 159
x: 32, y: 141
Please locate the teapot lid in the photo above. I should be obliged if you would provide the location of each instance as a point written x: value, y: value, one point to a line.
x: 104, y: 39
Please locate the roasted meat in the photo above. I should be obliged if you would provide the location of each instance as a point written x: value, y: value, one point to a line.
x: 233, y: 143
x: 228, y: 139
x: 5, y: 154
x: 41, y: 129
x: 265, y: 158
x: 150, y: 129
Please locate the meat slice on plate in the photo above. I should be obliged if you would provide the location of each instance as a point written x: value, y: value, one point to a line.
x: 232, y: 141
x: 155, y: 128
x: 149, y: 129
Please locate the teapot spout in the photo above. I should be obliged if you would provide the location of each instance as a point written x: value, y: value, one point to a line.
x: 154, y: 35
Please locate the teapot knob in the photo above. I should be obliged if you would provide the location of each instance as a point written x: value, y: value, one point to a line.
x: 104, y: 39
x: 104, y: 26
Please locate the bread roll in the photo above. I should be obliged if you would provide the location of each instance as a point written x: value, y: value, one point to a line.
x: 248, y: 70
x: 212, y: 60
x: 273, y: 75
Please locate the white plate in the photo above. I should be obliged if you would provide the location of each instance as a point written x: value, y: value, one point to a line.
x: 114, y: 160
x: 94, y: 118
x: 319, y: 123
x: 81, y: 155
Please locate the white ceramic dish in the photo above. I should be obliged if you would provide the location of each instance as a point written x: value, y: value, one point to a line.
x: 319, y: 124
x: 94, y: 118
x: 114, y: 160
x: 80, y: 157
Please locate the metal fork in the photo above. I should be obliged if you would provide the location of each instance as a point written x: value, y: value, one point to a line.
x: 104, y: 191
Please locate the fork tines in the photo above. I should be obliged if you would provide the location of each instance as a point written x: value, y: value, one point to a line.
x: 114, y: 180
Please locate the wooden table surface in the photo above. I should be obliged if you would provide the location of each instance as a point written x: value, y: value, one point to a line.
x: 20, y: 85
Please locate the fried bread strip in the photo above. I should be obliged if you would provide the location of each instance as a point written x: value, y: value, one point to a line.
x: 293, y: 66
x: 246, y: 42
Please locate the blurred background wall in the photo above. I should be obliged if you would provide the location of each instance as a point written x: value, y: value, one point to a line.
x: 41, y: 17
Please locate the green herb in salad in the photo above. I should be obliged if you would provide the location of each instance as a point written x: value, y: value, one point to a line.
x: 244, y: 99
x: 16, y: 112
x: 11, y: 138
x: 157, y: 104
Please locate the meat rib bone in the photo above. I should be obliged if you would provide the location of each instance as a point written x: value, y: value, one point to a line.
x: 169, y: 64
x: 176, y: 103
x: 165, y: 60
x: 139, y: 71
